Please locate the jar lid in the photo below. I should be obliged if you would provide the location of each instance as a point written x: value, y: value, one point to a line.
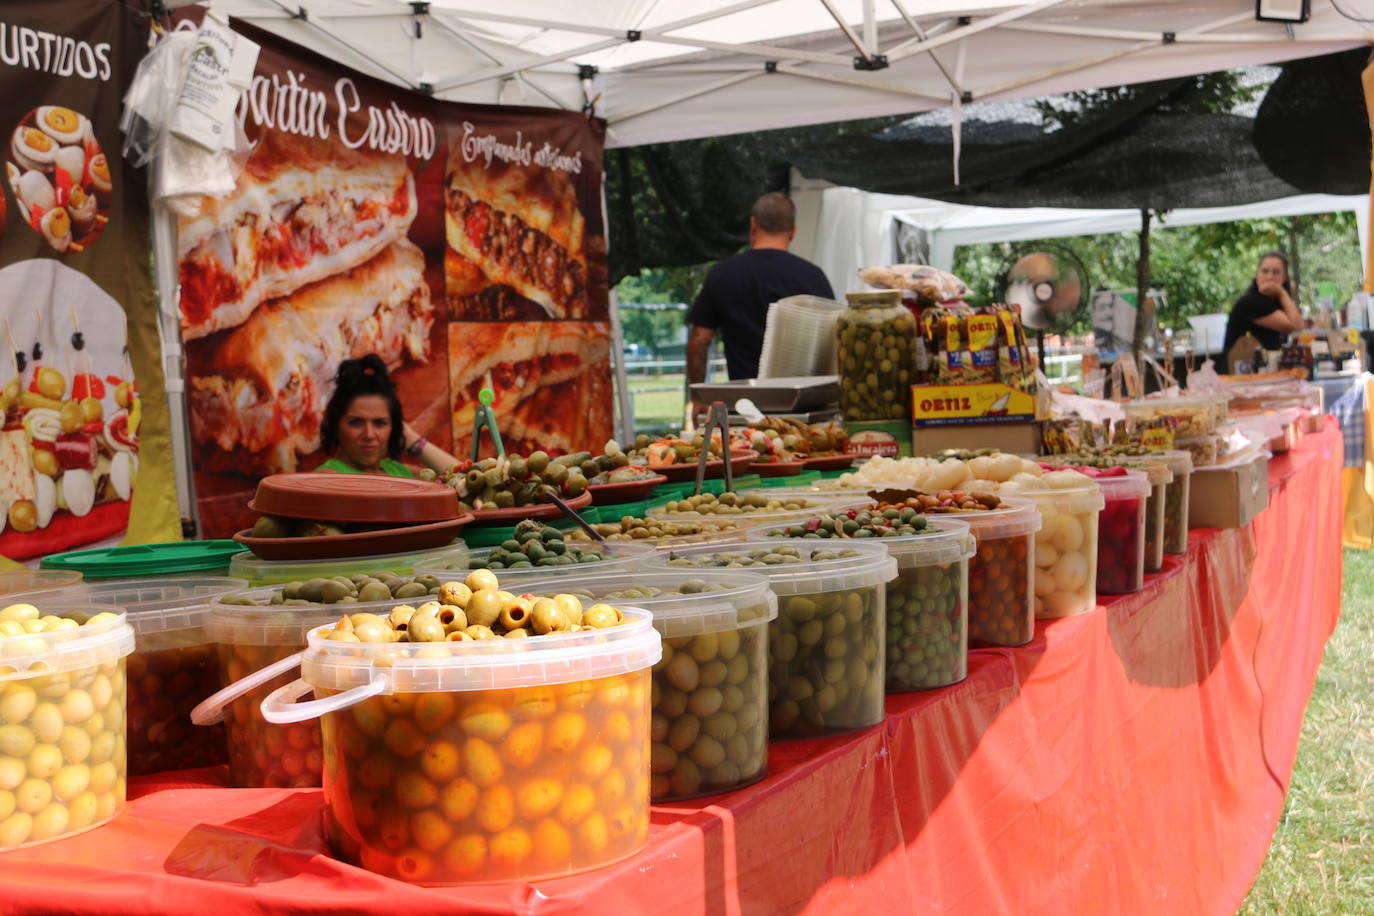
x: 872, y: 297
x: 867, y: 564
x: 37, y: 654
x: 716, y: 600
x: 946, y: 539
x: 172, y: 558
x: 366, y: 498
x: 1017, y: 517
x: 1133, y: 485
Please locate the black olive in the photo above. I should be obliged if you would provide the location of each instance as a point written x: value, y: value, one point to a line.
x: 37, y: 352
x: 78, y: 340
x: 21, y: 359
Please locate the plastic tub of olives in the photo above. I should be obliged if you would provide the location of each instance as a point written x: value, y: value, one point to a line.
x: 710, y: 690
x: 611, y: 557
x: 62, y: 758
x: 927, y: 603
x: 825, y: 651
x: 751, y: 508
x: 173, y: 667
x: 248, y: 565
x: 255, y: 631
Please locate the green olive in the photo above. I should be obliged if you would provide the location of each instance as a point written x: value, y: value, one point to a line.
x: 374, y: 591
x: 484, y: 607
x: 425, y: 628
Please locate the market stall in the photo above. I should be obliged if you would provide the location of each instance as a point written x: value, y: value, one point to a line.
x: 1127, y: 759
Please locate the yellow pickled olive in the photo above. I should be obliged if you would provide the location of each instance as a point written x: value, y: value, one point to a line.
x: 482, y: 580
x: 477, y: 631
x: 484, y: 607
x: 516, y: 614
x: 19, y: 612
x: 345, y: 625
x: 547, y: 618
x: 452, y: 617
x: 425, y: 628
x: 400, y: 615
x: 455, y: 593
x: 601, y: 615
x: 459, y: 636
x: 519, y: 633
x: 570, y: 605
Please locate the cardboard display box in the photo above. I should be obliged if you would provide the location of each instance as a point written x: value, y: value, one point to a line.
x: 1016, y: 438
x: 1228, y: 497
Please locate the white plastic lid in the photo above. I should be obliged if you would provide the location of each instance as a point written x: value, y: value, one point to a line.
x: 739, y: 598
x: 625, y: 556
x: 35, y: 654
x: 152, y: 605
x: 280, y: 624
x: 1017, y: 517
x: 255, y: 569
x: 871, y: 566
x: 485, y: 664
x: 1067, y: 500
x: 1132, y: 486
x: 1179, y: 462
x: 1154, y: 465
x: 946, y: 539
x: 1140, y: 405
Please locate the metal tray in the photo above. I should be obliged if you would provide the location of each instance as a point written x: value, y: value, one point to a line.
x: 774, y: 394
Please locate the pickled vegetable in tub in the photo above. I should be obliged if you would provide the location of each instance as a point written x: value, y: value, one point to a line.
x: 62, y: 750
x: 465, y: 770
x: 1121, y: 529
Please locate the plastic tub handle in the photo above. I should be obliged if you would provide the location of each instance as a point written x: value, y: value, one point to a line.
x: 211, y: 709
x: 280, y: 707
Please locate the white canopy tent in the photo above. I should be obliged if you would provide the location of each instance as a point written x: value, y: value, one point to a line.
x: 846, y: 229
x: 662, y: 71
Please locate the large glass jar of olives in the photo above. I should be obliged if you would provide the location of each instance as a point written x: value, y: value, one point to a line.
x: 875, y: 349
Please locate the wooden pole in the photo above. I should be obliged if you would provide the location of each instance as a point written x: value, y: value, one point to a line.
x: 1142, y: 283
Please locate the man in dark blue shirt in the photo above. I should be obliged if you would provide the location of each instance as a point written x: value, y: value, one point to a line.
x: 738, y: 291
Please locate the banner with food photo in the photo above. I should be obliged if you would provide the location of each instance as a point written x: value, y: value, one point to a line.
x: 525, y: 274
x: 85, y: 450
x: 339, y: 240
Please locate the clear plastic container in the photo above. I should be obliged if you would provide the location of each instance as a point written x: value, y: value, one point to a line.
x: 1066, y: 549
x: 1001, y: 577
x: 875, y: 352
x: 1121, y: 533
x: 250, y: 640
x: 248, y: 565
x: 1176, y: 501
x: 62, y: 760
x: 794, y: 507
x: 927, y: 604
x: 174, y: 665
x: 1192, y: 415
x: 1161, y: 479
x: 27, y: 581
x: 624, y: 556
x: 488, y: 760
x: 1202, y: 450
x: 710, y: 690
x: 825, y: 651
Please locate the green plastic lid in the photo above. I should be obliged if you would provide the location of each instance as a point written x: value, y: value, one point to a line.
x: 144, y: 560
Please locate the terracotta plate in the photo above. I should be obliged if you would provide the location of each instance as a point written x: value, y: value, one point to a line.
x: 829, y: 463
x: 358, y: 544
x: 368, y: 498
x: 606, y: 494
x: 541, y: 511
x: 740, y: 461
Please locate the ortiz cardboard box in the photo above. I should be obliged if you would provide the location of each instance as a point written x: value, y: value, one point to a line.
x: 1229, y: 497
x: 957, y: 405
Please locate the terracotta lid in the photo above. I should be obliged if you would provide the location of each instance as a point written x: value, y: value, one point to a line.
x: 369, y: 498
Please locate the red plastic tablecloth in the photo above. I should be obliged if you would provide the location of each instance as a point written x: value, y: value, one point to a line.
x: 1131, y: 760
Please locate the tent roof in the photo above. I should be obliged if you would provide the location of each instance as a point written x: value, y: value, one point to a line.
x: 696, y: 68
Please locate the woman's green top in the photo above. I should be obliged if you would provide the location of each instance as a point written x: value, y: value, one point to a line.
x: 389, y: 466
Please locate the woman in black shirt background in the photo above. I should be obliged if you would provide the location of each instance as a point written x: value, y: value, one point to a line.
x: 1267, y: 309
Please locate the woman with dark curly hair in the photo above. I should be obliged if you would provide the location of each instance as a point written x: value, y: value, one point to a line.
x: 363, y: 431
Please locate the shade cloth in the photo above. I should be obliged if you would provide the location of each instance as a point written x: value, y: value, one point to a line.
x: 1129, y: 760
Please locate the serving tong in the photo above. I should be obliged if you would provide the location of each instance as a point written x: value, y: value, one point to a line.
x: 717, y: 415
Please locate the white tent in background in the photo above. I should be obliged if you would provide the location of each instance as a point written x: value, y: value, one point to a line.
x: 662, y: 71
x: 843, y: 229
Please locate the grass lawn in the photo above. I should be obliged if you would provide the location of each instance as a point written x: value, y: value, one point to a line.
x: 1322, y: 858
x: 658, y: 408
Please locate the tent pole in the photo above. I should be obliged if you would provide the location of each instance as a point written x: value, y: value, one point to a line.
x: 626, y: 430
x: 1142, y: 282
x: 165, y: 277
